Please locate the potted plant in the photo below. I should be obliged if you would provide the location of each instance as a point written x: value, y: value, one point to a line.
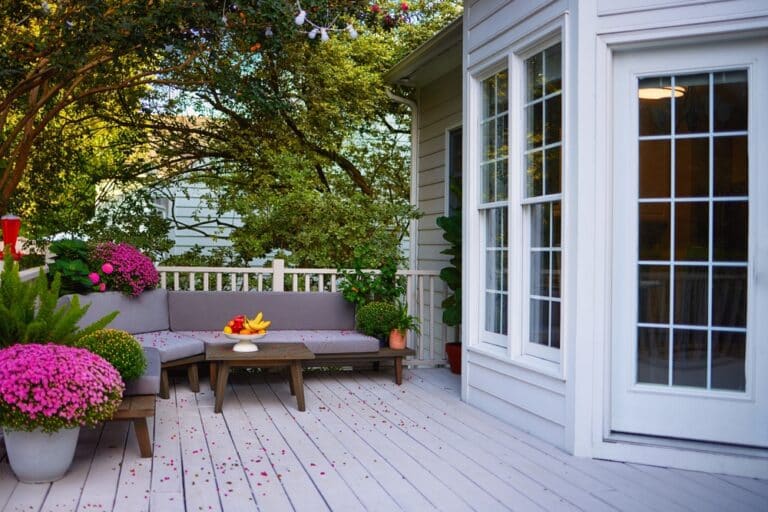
x: 47, y: 392
x: 403, y: 322
x: 376, y: 319
x: 451, y: 275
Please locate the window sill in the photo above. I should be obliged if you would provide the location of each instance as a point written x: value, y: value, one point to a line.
x: 526, y: 362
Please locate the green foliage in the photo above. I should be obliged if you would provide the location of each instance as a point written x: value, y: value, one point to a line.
x: 405, y: 322
x: 118, y: 347
x: 360, y: 287
x: 377, y: 318
x: 451, y: 275
x: 71, y: 264
x: 30, y: 311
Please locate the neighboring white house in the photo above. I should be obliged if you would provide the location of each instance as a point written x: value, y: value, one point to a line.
x: 615, y: 205
x: 193, y: 222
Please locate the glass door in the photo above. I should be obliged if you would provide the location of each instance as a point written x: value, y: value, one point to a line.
x: 689, y: 178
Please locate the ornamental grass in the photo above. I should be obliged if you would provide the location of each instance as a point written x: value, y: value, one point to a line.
x: 53, y: 387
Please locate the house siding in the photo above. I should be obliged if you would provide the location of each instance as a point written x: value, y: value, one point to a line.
x: 188, y: 208
x: 440, y: 107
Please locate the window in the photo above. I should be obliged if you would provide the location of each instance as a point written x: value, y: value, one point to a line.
x: 693, y: 230
x: 542, y: 201
x: 454, y: 177
x: 494, y: 121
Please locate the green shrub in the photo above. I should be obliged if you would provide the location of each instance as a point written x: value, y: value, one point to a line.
x: 377, y: 318
x: 121, y: 349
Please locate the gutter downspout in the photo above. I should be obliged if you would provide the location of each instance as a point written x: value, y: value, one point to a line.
x: 413, y: 229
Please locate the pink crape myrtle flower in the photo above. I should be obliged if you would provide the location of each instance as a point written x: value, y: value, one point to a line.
x: 94, y: 277
x: 55, y: 386
x: 102, y: 287
x: 107, y: 268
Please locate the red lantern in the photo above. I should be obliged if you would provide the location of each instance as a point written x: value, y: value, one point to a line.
x: 11, y: 225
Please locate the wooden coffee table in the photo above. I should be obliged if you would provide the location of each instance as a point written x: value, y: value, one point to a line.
x: 269, y: 355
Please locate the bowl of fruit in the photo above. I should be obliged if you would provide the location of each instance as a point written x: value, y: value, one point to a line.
x: 243, y: 330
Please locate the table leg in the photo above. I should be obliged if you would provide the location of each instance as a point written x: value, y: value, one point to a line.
x: 291, y: 383
x: 297, y: 380
x: 222, y: 374
x: 398, y: 370
x: 212, y: 373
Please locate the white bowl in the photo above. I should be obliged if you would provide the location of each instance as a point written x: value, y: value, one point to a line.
x: 241, y: 337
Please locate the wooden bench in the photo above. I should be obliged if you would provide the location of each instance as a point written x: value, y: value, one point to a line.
x: 138, y: 408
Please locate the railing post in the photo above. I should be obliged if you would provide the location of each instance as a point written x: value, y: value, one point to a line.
x: 278, y: 275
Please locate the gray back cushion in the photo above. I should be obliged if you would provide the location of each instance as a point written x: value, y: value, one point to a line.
x: 146, y: 313
x: 210, y: 311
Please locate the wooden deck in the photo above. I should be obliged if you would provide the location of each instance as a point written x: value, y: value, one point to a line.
x: 362, y: 444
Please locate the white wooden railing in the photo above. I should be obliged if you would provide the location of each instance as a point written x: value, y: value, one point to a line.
x: 424, y: 293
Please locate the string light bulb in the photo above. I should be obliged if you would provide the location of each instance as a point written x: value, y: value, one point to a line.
x: 352, y: 31
x: 301, y: 17
x: 324, y: 35
x: 312, y: 33
x: 268, y: 32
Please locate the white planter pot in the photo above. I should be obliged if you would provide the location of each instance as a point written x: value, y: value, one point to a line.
x: 38, y: 457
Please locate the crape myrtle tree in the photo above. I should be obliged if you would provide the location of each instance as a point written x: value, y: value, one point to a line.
x: 295, y: 134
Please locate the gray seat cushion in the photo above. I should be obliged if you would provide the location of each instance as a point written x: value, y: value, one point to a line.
x: 172, y: 345
x: 318, y: 341
x: 149, y: 383
x: 146, y: 313
x: 210, y: 311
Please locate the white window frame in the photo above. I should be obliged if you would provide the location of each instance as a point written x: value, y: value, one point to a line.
x: 523, y: 205
x: 491, y: 340
x: 512, y: 347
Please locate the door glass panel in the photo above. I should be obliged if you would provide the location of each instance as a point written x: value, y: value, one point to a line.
x: 692, y: 167
x: 652, y: 355
x: 653, y: 298
x: 691, y: 287
x: 692, y: 231
x: 654, y: 168
x: 552, y: 172
x: 731, y: 231
x: 692, y: 106
x: 556, y: 264
x: 534, y: 77
x: 695, y: 125
x: 552, y: 56
x: 540, y: 225
x: 730, y: 154
x: 729, y: 296
x: 730, y: 101
x: 654, y: 231
x: 689, y: 365
x: 728, y: 357
x: 655, y: 97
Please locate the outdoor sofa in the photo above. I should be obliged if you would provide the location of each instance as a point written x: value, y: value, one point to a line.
x: 179, y: 324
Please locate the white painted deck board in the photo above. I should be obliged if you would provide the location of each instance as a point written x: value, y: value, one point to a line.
x: 363, y: 444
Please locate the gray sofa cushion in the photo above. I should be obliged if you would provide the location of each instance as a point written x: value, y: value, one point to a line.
x: 172, y: 345
x: 210, y: 311
x: 146, y: 313
x: 318, y: 341
x: 149, y: 383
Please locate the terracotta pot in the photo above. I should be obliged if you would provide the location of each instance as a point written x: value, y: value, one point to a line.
x: 453, y: 351
x: 396, y: 339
